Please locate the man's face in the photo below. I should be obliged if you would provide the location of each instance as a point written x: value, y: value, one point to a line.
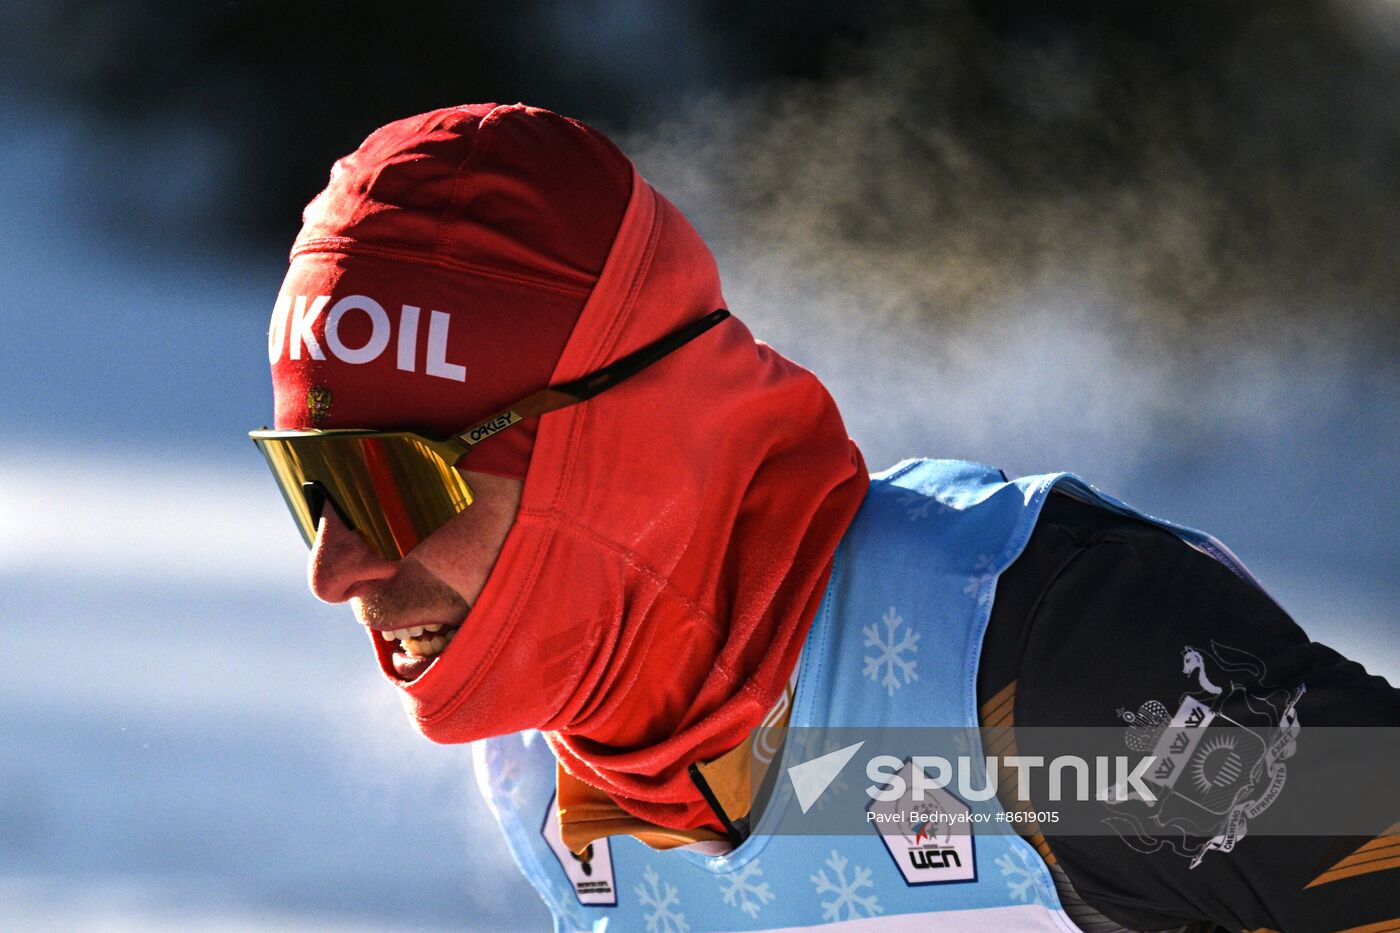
x: 432, y: 588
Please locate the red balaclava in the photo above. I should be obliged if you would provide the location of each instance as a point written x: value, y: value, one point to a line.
x: 675, y: 534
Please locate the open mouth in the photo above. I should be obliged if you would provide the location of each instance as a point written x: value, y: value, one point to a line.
x: 418, y: 646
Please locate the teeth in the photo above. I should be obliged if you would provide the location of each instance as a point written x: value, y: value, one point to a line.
x: 399, y: 634
x: 413, y: 642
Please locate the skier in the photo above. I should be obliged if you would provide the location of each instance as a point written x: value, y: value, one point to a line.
x: 584, y: 516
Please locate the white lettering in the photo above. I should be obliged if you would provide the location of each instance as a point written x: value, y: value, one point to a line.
x: 408, y: 339
x: 1130, y: 786
x: 294, y: 318
x: 1134, y: 779
x: 988, y: 789
x: 885, y: 769
x: 303, y: 316
x: 437, y: 349
x: 1023, y: 765
x: 277, y: 331
x: 1081, y: 776
x: 922, y: 781
x: 1102, y: 778
x: 378, y: 335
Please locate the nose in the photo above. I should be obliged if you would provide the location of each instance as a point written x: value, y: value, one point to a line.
x: 341, y: 562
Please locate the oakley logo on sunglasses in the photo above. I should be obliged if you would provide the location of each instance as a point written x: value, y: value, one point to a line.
x: 294, y: 318
x: 498, y: 423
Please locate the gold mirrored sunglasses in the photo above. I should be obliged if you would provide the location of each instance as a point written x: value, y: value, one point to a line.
x: 397, y: 487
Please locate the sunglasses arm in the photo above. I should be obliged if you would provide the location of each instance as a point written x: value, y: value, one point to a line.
x: 581, y: 390
x: 546, y: 400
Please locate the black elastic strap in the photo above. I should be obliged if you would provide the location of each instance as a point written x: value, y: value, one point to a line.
x: 736, y: 833
x: 633, y: 363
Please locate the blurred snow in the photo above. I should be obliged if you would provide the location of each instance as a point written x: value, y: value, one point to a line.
x: 144, y: 904
x: 144, y: 520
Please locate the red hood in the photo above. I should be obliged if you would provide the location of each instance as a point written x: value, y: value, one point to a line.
x: 673, y: 542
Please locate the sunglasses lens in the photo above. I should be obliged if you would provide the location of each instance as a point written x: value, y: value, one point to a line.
x: 316, y: 499
x: 393, y: 489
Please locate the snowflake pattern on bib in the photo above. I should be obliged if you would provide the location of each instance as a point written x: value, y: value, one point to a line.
x: 846, y: 890
x: 568, y: 910
x: 980, y: 568
x: 1022, y: 877
x: 919, y: 505
x: 663, y: 902
x: 742, y: 889
x: 891, y: 653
